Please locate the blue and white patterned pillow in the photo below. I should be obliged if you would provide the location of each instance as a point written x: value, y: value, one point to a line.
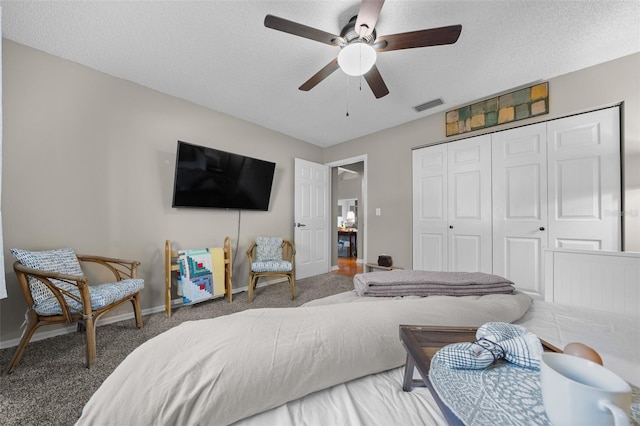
x: 268, y: 249
x: 62, y: 261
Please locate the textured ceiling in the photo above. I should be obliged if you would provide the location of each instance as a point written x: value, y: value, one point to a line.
x: 219, y: 54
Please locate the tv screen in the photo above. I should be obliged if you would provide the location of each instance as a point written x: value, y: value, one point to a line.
x: 207, y: 177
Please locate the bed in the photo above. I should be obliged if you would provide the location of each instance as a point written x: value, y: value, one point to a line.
x: 336, y: 360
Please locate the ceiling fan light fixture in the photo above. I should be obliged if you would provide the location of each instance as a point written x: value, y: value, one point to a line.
x: 357, y: 58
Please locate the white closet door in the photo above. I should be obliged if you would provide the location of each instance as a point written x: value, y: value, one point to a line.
x: 519, y: 186
x: 469, y: 205
x: 584, y: 181
x: 430, y: 208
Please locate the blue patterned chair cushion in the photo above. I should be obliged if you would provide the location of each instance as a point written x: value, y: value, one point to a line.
x: 101, y: 295
x: 271, y: 266
x: 268, y: 249
x: 64, y: 261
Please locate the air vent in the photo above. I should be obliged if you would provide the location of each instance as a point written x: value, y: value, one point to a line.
x: 427, y: 105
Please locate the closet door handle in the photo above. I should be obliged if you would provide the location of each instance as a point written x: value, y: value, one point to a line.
x: 450, y: 226
x: 542, y: 228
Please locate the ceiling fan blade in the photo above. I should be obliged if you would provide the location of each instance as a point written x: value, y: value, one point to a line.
x: 320, y: 75
x: 300, y: 30
x: 376, y: 82
x: 421, y: 38
x: 368, y: 16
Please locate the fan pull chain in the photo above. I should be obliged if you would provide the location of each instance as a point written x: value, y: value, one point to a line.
x: 360, y: 79
x: 347, y: 93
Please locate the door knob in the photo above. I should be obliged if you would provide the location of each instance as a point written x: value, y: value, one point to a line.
x: 450, y: 226
x: 299, y: 224
x: 542, y: 228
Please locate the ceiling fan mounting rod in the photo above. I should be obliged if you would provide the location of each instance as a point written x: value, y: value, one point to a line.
x: 349, y: 33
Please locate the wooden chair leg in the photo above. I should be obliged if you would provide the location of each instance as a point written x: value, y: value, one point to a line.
x: 136, y: 309
x: 89, y: 323
x: 292, y: 284
x: 17, y: 355
x: 251, y: 279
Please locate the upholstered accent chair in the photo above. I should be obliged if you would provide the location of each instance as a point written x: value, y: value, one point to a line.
x: 58, y: 292
x: 271, y: 256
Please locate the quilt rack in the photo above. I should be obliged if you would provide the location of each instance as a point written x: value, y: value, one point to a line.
x: 171, y: 262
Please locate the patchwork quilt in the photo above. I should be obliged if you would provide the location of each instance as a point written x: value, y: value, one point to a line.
x: 201, y: 274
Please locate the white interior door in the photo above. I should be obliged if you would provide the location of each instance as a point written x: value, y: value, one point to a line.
x: 584, y: 181
x: 311, y: 218
x: 469, y: 205
x: 430, y: 208
x: 519, y: 186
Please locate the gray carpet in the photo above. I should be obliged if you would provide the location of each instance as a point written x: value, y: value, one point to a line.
x: 51, y: 383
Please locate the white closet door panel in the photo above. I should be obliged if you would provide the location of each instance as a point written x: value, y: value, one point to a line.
x: 430, y: 208
x: 519, y: 185
x: 433, y: 251
x: 467, y: 190
x: 522, y: 264
x: 466, y: 253
x: 577, y: 188
x: 584, y: 181
x: 469, y: 204
x: 432, y: 205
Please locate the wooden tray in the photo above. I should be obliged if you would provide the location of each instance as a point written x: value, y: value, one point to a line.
x: 422, y: 342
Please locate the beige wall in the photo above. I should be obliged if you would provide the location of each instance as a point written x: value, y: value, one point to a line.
x: 389, y: 153
x: 88, y: 162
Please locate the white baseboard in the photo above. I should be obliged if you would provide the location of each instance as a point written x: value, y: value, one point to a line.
x: 46, y: 334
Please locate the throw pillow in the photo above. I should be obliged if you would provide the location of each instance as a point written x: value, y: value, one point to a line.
x: 268, y: 249
x: 63, y: 261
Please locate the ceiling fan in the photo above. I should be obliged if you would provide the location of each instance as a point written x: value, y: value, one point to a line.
x: 358, y: 43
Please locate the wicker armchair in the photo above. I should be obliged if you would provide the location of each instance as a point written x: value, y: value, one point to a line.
x: 57, y: 292
x: 271, y: 256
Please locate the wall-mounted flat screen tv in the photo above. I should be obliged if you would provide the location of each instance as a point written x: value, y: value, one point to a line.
x: 208, y: 177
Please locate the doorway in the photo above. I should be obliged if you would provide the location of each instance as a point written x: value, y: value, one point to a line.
x: 348, y: 213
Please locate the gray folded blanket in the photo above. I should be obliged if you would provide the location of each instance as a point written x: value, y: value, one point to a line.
x: 430, y: 283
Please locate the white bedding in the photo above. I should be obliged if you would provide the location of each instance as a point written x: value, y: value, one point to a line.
x: 378, y: 399
x: 615, y: 337
x: 222, y: 370
x: 362, y: 381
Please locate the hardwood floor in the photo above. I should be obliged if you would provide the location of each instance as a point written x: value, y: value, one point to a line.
x: 348, y: 266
